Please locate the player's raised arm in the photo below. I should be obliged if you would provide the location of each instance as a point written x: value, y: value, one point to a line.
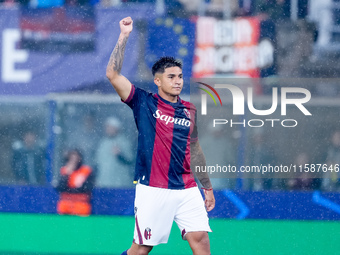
x: 198, y: 159
x: 121, y: 84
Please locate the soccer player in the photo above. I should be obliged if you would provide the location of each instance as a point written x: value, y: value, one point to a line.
x: 167, y: 143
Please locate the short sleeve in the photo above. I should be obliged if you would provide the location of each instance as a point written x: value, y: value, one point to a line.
x: 194, y: 133
x: 135, y: 97
x: 129, y: 100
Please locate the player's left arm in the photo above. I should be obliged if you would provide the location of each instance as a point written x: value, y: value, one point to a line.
x: 198, y: 159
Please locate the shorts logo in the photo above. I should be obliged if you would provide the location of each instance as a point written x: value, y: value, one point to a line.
x: 147, y: 233
x: 186, y: 112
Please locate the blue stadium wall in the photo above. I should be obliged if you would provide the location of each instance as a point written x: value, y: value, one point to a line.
x: 229, y: 204
x: 243, y: 223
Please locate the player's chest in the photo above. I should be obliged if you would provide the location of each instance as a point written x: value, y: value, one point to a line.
x: 171, y: 119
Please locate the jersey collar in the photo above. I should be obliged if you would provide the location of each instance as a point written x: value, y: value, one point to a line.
x: 168, y: 102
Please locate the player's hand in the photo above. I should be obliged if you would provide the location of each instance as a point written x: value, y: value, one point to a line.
x: 126, y: 25
x: 79, y: 181
x: 209, y: 200
x: 69, y: 168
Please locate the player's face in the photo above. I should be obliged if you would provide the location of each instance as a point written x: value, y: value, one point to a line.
x: 170, y: 83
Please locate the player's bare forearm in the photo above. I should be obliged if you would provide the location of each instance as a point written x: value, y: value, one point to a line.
x: 198, y: 159
x: 115, y: 64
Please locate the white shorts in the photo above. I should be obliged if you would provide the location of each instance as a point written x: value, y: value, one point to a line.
x: 157, y: 208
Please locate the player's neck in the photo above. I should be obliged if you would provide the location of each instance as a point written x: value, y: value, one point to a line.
x: 168, y: 97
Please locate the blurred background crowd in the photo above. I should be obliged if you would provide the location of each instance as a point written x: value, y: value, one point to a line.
x: 269, y: 40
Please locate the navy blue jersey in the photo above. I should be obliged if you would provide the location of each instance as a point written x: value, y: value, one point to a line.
x: 165, y: 131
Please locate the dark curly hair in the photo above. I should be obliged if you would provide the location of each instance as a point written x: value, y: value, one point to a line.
x: 165, y: 62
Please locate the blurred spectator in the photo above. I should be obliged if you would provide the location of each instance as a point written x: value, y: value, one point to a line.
x: 23, y: 2
x: 114, y: 157
x: 223, y: 9
x: 218, y: 150
x: 43, y: 3
x: 331, y: 180
x: 75, y: 185
x: 260, y: 153
x: 216, y: 8
x: 303, y: 9
x: 8, y: 3
x: 109, y: 3
x: 305, y: 180
x: 321, y: 13
x: 57, y: 3
x: 246, y: 7
x: 86, y: 138
x: 191, y: 6
x: 28, y: 162
x: 273, y: 9
x: 175, y: 8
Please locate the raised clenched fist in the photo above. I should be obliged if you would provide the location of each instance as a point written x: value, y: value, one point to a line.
x: 126, y: 25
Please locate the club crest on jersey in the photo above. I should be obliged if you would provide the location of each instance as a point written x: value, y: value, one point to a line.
x: 147, y: 233
x: 186, y: 112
